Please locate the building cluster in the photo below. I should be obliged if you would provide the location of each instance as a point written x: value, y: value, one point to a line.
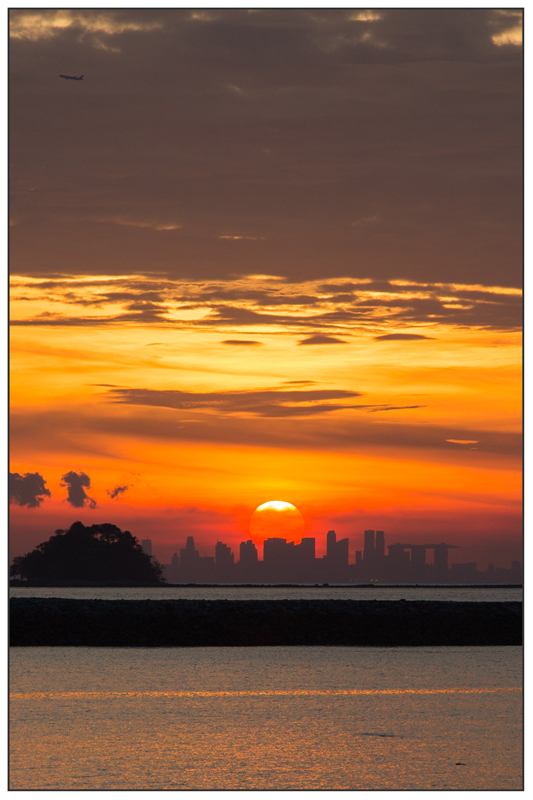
x: 288, y: 562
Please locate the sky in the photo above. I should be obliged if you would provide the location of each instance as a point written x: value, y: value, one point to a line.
x: 267, y: 255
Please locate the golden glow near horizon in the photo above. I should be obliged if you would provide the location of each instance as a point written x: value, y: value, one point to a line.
x: 188, y: 414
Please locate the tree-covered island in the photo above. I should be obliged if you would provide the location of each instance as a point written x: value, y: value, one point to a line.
x: 88, y: 554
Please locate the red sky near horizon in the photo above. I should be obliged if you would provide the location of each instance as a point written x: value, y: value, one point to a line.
x: 267, y: 255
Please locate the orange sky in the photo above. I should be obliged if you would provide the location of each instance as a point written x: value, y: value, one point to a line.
x: 306, y: 305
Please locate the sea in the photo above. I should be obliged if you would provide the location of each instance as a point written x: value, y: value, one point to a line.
x: 266, y: 718
x: 311, y: 592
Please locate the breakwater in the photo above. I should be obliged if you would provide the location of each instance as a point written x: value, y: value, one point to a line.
x: 225, y: 623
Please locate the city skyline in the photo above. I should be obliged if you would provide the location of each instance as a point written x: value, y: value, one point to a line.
x: 289, y: 561
x: 267, y: 253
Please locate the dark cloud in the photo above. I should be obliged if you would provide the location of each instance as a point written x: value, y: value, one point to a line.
x: 28, y: 489
x: 359, y: 433
x: 392, y: 408
x: 76, y: 485
x: 266, y: 403
x: 271, y: 296
x: 286, y: 127
x: 235, y: 315
x: 319, y: 338
x: 244, y: 342
x: 60, y: 322
x: 343, y: 435
x: 374, y: 305
x: 401, y: 337
x: 117, y: 491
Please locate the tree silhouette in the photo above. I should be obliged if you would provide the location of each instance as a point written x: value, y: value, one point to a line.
x: 94, y: 553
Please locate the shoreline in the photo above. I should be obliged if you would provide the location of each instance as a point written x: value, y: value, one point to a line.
x: 95, y: 584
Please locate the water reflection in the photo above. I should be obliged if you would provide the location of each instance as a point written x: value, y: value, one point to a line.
x: 256, y: 719
x: 258, y: 693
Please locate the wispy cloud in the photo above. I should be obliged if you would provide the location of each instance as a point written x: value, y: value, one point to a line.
x: 320, y: 338
x: 510, y: 23
x: 266, y: 403
x: 401, y: 337
x: 392, y: 408
x: 236, y: 237
x: 242, y: 342
x: 34, y: 24
x: 132, y: 223
x: 354, y: 432
x: 117, y: 491
x: 364, y: 221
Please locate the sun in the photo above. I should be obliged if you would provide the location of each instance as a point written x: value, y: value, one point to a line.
x: 276, y: 519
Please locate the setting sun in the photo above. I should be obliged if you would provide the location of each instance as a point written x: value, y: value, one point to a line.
x: 276, y: 518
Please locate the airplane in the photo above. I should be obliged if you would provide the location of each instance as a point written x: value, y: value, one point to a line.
x: 71, y: 77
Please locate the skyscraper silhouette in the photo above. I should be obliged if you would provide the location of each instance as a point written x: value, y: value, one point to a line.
x: 224, y: 563
x: 440, y: 562
x: 146, y: 545
x: 248, y: 566
x: 331, y: 541
x: 368, y: 553
x: 189, y: 561
x: 288, y: 562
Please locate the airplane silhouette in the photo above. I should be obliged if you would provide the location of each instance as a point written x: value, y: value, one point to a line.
x: 71, y: 77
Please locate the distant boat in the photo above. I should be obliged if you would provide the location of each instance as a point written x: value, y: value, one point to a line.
x: 71, y: 77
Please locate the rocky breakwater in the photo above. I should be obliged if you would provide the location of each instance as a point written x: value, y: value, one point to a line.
x: 223, y: 623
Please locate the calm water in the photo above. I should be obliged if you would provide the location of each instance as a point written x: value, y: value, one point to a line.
x: 276, y: 593
x: 278, y: 718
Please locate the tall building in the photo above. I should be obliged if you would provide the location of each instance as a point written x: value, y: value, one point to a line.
x: 275, y: 558
x: 224, y: 558
x: 380, y: 545
x: 171, y: 571
x: 418, y: 562
x: 440, y: 562
x: 342, y: 552
x: 224, y: 563
x: 248, y: 554
x: 248, y: 566
x: 368, y: 550
x: 146, y: 545
x: 331, y: 541
x: 336, y: 559
x: 307, y: 550
x: 397, y: 563
x: 303, y: 562
x: 304, y: 556
x: 189, y: 561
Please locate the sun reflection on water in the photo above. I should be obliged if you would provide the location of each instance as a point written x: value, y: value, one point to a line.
x: 257, y: 693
